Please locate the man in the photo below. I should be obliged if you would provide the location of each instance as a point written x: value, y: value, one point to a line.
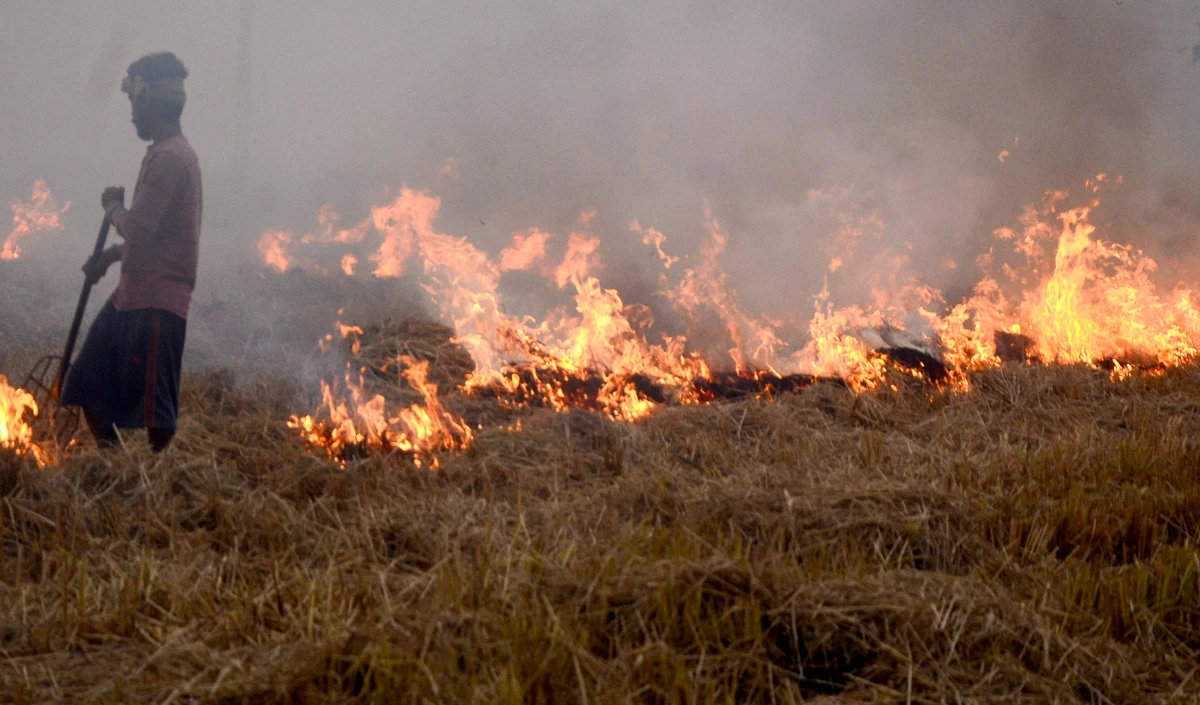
x: 127, y: 374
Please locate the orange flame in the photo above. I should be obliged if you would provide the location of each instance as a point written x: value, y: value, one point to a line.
x: 460, y: 278
x: 15, y: 434
x: 706, y: 286
x: 650, y: 236
x: 1078, y: 299
x: 398, y: 222
x: 527, y: 249
x: 836, y: 348
x: 599, y: 341
x: 273, y: 246
x: 328, y: 221
x: 344, y: 427
x: 37, y: 216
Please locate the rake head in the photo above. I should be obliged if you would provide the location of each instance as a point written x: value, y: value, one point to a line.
x: 54, y: 424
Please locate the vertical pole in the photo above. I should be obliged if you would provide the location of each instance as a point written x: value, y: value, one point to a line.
x: 65, y: 363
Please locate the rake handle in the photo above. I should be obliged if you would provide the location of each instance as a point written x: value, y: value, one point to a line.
x: 65, y: 363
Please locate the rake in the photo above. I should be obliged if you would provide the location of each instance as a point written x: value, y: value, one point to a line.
x: 54, y: 422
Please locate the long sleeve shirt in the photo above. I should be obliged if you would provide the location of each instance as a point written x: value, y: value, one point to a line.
x: 161, y: 230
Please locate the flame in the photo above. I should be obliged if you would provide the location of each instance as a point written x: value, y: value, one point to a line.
x: 598, y: 342
x: 1076, y: 298
x: 836, y: 349
x: 273, y: 246
x: 460, y: 278
x: 650, y: 236
x: 344, y: 426
x: 527, y: 249
x: 15, y: 434
x: 37, y: 216
x: 1050, y: 289
x: 328, y: 231
x: 1056, y: 291
x: 1100, y: 303
x: 398, y: 223
x: 602, y: 341
x: 598, y: 356
x: 276, y: 245
x: 706, y: 287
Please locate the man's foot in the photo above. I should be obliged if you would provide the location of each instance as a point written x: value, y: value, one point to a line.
x: 102, y: 430
x: 160, y: 438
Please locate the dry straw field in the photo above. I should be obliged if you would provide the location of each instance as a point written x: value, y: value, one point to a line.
x: 1032, y: 541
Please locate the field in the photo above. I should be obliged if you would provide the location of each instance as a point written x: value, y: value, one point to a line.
x: 1032, y: 540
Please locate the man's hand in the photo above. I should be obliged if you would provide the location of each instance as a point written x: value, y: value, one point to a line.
x: 96, y: 267
x: 112, y: 197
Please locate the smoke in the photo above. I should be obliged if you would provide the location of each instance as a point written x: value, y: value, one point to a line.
x: 805, y: 127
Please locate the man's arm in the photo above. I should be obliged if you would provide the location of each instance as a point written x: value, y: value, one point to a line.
x: 164, y: 174
x: 96, y: 267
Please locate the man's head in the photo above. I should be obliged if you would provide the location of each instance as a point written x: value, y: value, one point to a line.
x: 156, y: 96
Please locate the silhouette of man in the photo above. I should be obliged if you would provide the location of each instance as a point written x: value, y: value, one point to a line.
x: 128, y: 372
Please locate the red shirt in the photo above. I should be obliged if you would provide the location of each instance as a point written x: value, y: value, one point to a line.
x: 161, y: 229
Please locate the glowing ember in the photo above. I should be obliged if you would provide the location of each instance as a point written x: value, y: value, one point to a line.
x: 15, y: 434
x: 37, y: 216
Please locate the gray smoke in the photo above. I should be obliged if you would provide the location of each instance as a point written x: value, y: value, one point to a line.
x: 645, y: 112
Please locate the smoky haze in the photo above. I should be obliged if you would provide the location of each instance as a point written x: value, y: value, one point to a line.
x: 786, y: 119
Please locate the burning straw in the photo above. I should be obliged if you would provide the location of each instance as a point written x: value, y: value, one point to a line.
x: 17, y: 407
x: 1029, y: 539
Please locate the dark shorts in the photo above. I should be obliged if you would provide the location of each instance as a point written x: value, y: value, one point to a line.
x: 129, y: 368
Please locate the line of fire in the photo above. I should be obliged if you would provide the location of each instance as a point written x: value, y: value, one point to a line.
x: 1050, y: 291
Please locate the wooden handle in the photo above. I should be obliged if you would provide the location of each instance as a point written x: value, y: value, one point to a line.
x: 65, y: 363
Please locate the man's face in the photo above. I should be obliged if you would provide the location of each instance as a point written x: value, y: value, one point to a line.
x: 141, y: 117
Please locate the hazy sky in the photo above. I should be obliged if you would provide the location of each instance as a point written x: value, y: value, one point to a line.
x: 642, y: 111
